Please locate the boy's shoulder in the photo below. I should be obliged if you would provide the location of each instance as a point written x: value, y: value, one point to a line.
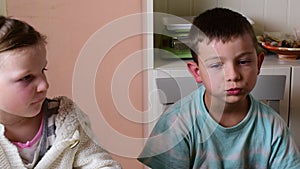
x: 267, y: 113
x: 185, y: 110
x: 192, y: 100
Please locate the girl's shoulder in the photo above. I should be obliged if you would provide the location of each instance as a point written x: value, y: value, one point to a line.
x: 64, y: 109
x: 68, y: 113
x: 62, y: 103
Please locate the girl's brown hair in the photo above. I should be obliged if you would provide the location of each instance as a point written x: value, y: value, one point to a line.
x: 15, y: 34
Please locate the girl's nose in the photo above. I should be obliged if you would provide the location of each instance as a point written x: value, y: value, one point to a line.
x: 43, y: 85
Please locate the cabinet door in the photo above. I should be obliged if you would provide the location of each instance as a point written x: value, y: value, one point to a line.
x: 284, y: 103
x: 169, y: 85
x: 294, y: 104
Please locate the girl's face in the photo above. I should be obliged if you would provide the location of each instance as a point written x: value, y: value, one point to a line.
x: 23, y: 84
x: 228, y: 70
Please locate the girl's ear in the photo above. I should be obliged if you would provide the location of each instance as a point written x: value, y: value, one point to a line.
x: 260, y: 59
x: 194, y: 70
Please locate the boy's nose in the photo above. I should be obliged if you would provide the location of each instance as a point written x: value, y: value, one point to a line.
x: 232, y: 73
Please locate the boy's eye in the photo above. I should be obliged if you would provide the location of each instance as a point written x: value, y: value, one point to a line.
x: 242, y: 62
x: 216, y: 65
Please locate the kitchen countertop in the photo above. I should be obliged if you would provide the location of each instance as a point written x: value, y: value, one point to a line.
x: 270, y: 60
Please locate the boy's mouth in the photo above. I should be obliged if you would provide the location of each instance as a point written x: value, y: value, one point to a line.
x: 233, y: 91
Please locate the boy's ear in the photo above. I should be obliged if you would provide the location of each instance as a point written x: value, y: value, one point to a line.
x: 194, y: 70
x: 260, y: 59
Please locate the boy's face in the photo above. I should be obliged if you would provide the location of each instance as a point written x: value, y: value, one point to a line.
x: 23, y: 84
x: 228, y: 70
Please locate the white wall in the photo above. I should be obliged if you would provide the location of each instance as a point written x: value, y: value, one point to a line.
x: 268, y: 15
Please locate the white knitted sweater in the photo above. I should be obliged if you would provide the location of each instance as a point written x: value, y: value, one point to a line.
x: 73, y: 148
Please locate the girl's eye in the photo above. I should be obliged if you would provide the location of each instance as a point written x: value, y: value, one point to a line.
x: 27, y: 78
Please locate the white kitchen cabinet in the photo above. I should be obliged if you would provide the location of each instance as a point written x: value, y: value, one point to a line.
x: 273, y: 66
x: 294, y: 103
x: 176, y: 69
x: 176, y: 73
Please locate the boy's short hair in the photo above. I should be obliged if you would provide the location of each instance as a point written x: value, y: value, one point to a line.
x: 15, y: 33
x: 218, y: 24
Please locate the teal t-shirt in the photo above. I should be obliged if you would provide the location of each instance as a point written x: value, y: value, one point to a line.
x: 186, y: 137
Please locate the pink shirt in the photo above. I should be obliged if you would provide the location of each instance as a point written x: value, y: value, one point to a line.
x: 29, y: 151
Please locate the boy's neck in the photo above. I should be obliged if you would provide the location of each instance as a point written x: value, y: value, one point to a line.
x: 228, y: 115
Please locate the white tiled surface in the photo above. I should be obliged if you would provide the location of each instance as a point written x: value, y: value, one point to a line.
x: 3, y: 7
x: 268, y: 15
x: 183, y: 7
x: 232, y: 4
x: 294, y: 13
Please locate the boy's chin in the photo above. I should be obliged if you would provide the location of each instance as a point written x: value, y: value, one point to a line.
x: 235, y: 99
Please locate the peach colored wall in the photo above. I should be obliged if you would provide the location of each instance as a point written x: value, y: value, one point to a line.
x: 68, y: 25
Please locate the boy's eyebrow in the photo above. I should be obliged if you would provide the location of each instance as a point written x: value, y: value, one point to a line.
x: 211, y: 58
x: 245, y: 53
x: 218, y: 57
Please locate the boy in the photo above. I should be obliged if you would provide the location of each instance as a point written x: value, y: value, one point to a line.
x: 220, y: 125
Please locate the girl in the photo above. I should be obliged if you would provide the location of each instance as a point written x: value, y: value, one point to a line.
x: 36, y: 132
